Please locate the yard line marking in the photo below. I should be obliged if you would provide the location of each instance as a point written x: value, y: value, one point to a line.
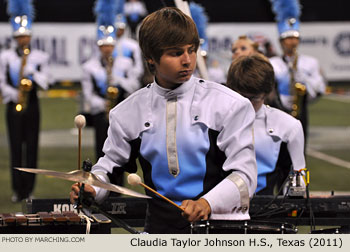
x: 338, y: 98
x: 328, y: 158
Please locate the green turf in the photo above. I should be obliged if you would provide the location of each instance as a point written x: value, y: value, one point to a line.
x: 57, y: 159
x: 343, y: 154
x: 327, y: 177
x: 58, y: 113
x: 326, y: 112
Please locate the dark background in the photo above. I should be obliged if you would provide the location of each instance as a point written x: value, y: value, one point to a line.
x: 218, y: 10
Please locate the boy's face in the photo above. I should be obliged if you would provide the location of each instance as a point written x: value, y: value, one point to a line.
x: 289, y: 45
x: 23, y: 41
x: 106, y: 50
x: 175, y: 66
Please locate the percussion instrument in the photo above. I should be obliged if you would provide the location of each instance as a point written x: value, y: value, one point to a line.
x: 86, y: 178
x: 241, y: 227
x: 49, y: 223
x: 332, y: 211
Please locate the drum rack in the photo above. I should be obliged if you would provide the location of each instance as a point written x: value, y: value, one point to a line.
x: 320, y: 211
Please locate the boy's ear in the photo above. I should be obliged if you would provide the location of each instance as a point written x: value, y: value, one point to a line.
x: 150, y: 61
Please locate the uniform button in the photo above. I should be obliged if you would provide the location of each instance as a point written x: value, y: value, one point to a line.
x: 270, y: 130
x: 196, y: 118
x: 174, y: 172
x: 149, y: 85
x: 147, y: 124
x: 201, y: 81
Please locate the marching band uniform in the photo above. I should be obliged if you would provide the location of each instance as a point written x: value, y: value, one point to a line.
x: 22, y: 126
x: 129, y: 48
x: 273, y: 130
x: 135, y: 11
x: 94, y: 86
x: 308, y: 73
x: 306, y: 70
x: 103, y: 71
x: 216, y: 74
x: 194, y: 141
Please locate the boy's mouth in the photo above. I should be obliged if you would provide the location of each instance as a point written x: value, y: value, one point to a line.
x: 185, y: 73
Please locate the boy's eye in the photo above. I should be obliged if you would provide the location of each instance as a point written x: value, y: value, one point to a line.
x: 234, y: 50
x: 243, y: 48
x: 191, y: 50
x: 175, y: 53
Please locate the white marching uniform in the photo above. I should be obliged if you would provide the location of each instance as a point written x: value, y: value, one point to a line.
x: 272, y: 127
x: 130, y: 48
x: 308, y: 73
x: 10, y: 63
x: 94, y: 81
x: 193, y: 141
x: 217, y: 75
x: 23, y: 127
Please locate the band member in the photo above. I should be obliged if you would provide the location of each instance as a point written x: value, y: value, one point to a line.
x: 128, y: 47
x: 243, y: 46
x: 23, y: 70
x: 253, y: 77
x: 298, y: 76
x: 107, y: 78
x: 213, y: 70
x: 192, y: 137
x: 135, y: 11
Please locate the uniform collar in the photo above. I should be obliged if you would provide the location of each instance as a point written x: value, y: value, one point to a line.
x: 261, y: 112
x: 171, y: 93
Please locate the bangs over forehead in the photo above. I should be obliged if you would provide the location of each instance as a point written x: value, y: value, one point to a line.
x: 166, y: 28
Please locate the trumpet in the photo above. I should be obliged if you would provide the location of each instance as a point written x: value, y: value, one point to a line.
x: 112, y: 91
x: 25, y: 85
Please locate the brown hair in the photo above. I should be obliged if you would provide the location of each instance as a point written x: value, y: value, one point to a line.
x: 251, y: 74
x: 255, y: 45
x: 166, y: 28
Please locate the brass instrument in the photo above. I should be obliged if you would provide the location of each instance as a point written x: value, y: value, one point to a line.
x: 298, y: 90
x: 112, y: 91
x: 298, y: 96
x: 25, y: 85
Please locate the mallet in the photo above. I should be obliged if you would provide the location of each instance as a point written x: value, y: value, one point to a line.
x: 134, y: 179
x: 79, y: 122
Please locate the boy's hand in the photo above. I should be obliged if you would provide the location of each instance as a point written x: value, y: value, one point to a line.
x: 75, y: 192
x: 196, y: 210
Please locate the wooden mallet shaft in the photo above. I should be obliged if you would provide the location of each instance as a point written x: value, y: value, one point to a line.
x: 80, y: 122
x: 134, y: 179
x: 163, y: 197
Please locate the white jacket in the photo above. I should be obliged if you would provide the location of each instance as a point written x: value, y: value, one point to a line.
x: 211, y: 121
x: 10, y: 64
x: 272, y: 127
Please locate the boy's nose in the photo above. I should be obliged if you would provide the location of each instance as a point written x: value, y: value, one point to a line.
x: 186, y: 58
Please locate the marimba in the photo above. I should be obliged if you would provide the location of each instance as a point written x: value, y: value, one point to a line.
x: 66, y: 222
